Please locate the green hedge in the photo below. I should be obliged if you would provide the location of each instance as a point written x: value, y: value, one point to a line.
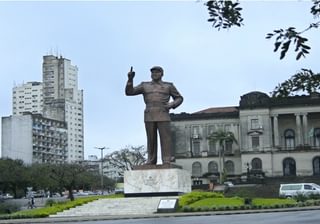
x: 54, y: 207
x: 194, y: 196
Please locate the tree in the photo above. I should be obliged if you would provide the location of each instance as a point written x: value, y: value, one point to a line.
x: 303, y: 81
x: 13, y: 176
x: 67, y: 176
x: 222, y: 137
x: 126, y: 159
x: 225, y: 14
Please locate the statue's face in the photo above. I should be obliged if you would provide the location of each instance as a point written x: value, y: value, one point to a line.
x: 156, y: 75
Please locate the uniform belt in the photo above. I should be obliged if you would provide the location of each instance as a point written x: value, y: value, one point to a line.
x: 155, y: 105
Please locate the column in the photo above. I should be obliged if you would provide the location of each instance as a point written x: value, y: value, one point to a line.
x: 305, y: 129
x: 298, y: 125
x: 276, y: 130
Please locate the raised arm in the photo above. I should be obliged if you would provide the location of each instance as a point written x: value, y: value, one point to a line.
x: 130, y: 90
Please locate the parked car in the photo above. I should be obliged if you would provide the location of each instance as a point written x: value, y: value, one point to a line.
x: 6, y: 196
x: 292, y: 190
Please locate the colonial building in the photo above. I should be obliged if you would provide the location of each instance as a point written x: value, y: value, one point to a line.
x: 275, y: 137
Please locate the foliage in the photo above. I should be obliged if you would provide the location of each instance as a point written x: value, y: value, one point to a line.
x: 194, y: 196
x: 224, y: 14
x: 272, y: 201
x: 222, y: 137
x: 6, y: 208
x: 303, y: 81
x: 53, y: 208
x: 13, y: 176
x: 217, y: 202
x: 127, y: 158
x: 67, y: 176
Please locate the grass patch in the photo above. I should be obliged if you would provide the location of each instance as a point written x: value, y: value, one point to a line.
x: 53, y: 208
x: 194, y: 196
x: 218, y: 202
x: 272, y: 201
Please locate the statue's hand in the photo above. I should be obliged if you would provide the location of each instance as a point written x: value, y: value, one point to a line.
x: 131, y: 74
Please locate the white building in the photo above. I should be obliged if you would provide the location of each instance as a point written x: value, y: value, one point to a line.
x: 34, y: 139
x: 27, y: 98
x: 57, y: 98
x: 64, y: 101
x: 276, y: 137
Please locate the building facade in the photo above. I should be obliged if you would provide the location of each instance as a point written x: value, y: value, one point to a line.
x: 27, y: 98
x: 64, y: 101
x: 57, y: 99
x: 34, y: 139
x: 274, y: 137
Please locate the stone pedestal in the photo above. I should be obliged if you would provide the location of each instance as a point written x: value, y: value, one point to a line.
x: 156, y: 182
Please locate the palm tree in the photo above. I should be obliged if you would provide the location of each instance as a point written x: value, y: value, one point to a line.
x: 222, y: 137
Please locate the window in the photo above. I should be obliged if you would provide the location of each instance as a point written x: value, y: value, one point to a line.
x: 229, y: 166
x: 254, y: 123
x: 307, y: 187
x: 213, y: 167
x: 255, y: 141
x: 196, y: 169
x: 316, y: 137
x: 227, y: 127
x: 316, y: 166
x: 256, y: 164
x: 289, y: 167
x: 196, y: 148
x: 213, y: 148
x: 211, y: 129
x: 195, y: 132
x: 289, y: 138
x: 228, y: 147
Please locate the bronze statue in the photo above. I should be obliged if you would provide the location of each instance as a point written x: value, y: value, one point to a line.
x: 156, y: 96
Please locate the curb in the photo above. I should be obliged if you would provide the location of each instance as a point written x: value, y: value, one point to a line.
x: 155, y: 215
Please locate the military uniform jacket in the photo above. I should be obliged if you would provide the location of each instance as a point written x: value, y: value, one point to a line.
x: 156, y: 97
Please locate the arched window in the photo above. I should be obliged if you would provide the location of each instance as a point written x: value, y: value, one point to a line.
x: 213, y: 167
x: 289, y: 167
x: 256, y: 164
x: 196, y: 169
x: 316, y: 166
x: 229, y: 166
x: 289, y: 138
x: 316, y: 137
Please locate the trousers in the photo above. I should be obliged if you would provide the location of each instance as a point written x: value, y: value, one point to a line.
x: 152, y: 129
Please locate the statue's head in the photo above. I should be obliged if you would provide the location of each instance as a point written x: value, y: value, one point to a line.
x: 156, y: 73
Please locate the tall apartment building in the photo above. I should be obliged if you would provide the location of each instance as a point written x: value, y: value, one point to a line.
x: 59, y: 102
x: 64, y: 101
x: 34, y: 139
x: 27, y: 98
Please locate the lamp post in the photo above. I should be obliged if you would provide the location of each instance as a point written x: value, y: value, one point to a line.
x: 101, y: 148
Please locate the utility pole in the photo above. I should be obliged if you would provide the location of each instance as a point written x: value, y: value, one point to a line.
x: 101, y: 148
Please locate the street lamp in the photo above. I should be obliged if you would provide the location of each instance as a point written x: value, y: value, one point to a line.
x: 101, y: 148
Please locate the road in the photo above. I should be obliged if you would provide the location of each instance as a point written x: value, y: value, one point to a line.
x: 299, y: 217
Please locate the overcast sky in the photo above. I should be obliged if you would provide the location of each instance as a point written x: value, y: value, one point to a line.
x: 210, y: 68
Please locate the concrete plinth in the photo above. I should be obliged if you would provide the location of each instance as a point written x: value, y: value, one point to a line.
x: 156, y: 182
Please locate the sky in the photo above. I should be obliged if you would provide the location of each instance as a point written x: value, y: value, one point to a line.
x: 210, y: 68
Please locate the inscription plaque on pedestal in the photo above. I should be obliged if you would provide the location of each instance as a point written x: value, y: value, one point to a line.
x: 156, y: 182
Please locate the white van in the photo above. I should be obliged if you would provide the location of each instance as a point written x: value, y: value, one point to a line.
x: 292, y: 190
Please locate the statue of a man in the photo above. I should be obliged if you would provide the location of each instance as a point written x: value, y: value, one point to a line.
x: 156, y: 94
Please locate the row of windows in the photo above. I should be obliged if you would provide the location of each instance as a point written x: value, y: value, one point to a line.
x: 288, y: 164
